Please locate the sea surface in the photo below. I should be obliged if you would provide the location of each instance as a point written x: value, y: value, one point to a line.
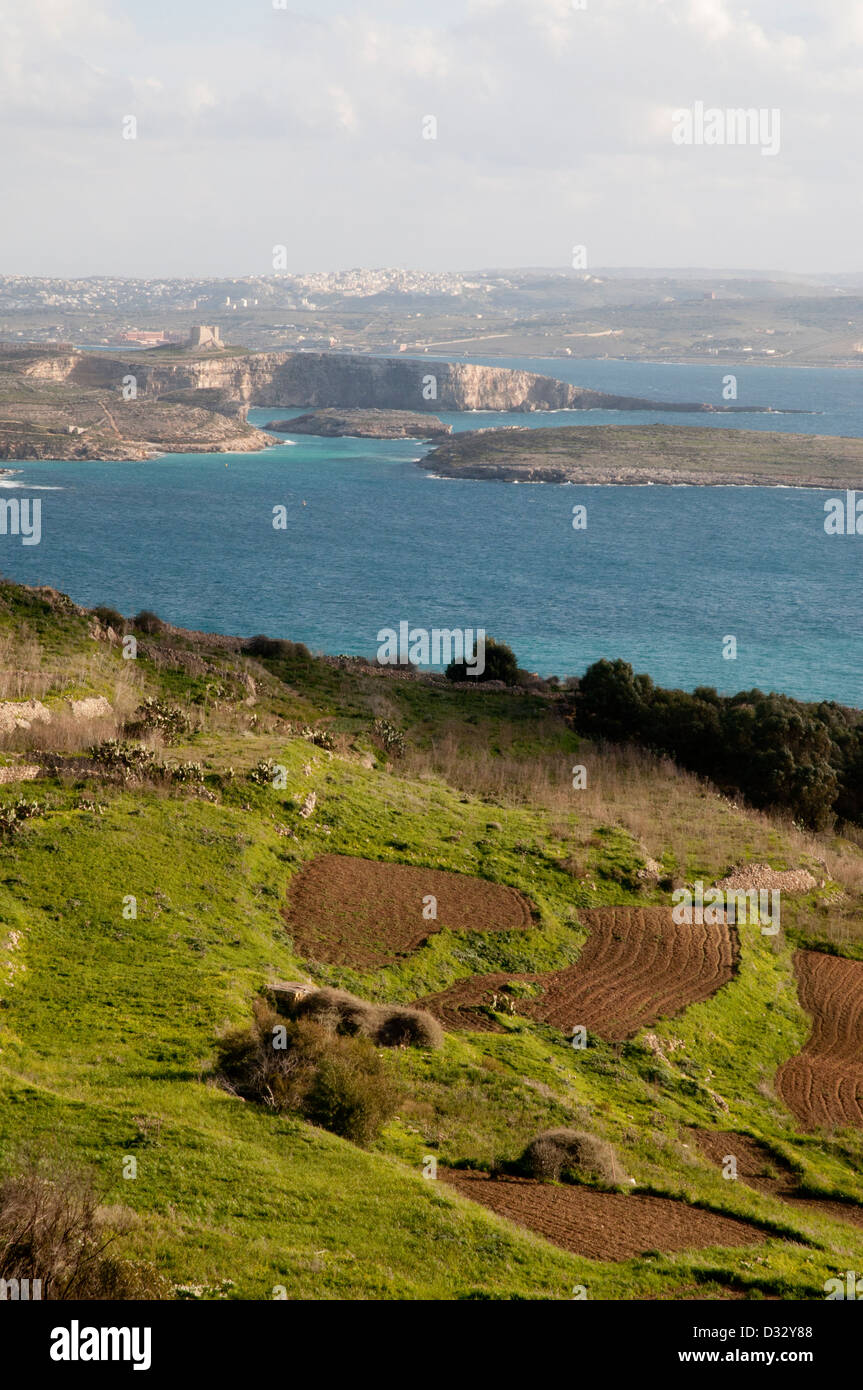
x: 660, y: 577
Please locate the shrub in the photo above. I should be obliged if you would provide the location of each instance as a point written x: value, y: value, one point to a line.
x: 12, y: 817
x: 276, y: 648
x: 261, y: 645
x: 779, y: 753
x: 256, y: 1069
x: 50, y: 1229
x: 338, y: 1082
x: 387, y: 1025
x: 127, y: 761
x: 391, y: 738
x: 337, y: 1011
x: 109, y: 617
x: 352, y: 1094
x: 185, y: 773
x: 572, y: 1153
x: 322, y: 738
x: 400, y: 1027
x: 500, y: 665
x: 262, y: 773
x: 170, y: 721
x: 148, y: 622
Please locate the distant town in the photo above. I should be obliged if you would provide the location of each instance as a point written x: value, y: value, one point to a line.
x: 674, y: 315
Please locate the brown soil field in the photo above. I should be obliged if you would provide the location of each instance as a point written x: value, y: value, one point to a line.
x: 362, y: 912
x: 756, y: 1165
x: 636, y: 966
x: 759, y: 1168
x: 823, y: 1084
x: 603, y: 1225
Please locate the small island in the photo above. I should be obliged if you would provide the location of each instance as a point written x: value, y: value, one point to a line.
x: 642, y: 454
x: 364, y: 424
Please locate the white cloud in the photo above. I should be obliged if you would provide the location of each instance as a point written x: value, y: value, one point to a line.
x: 545, y: 112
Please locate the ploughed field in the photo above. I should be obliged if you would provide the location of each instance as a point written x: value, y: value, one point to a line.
x: 637, y: 965
x: 602, y: 1225
x: 823, y: 1084
x: 767, y: 1172
x: 361, y: 912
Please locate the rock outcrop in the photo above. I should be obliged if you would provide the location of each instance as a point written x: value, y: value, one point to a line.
x: 365, y: 424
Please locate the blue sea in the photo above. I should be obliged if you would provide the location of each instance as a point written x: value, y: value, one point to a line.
x: 661, y: 576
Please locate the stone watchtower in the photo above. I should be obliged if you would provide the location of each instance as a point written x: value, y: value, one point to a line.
x: 204, y: 336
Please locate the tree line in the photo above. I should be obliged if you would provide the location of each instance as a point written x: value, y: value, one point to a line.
x: 777, y: 752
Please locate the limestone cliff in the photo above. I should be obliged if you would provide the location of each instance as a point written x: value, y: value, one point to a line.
x: 322, y: 379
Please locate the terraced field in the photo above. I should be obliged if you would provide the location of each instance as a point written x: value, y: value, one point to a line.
x: 823, y: 1084
x: 238, y: 1197
x: 637, y: 965
x: 603, y: 1225
x: 759, y: 1168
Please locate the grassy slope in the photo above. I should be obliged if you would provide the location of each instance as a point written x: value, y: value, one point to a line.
x: 107, y: 1024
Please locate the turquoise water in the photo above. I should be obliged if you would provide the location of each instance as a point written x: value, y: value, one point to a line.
x: 660, y: 576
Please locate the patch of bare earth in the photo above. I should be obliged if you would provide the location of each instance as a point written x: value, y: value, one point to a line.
x: 603, y: 1225
x: 636, y: 966
x: 360, y: 912
x: 823, y: 1084
x: 767, y: 1173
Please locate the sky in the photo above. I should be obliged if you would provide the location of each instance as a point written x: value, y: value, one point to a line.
x: 303, y: 126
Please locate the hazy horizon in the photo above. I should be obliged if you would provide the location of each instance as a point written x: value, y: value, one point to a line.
x: 619, y: 271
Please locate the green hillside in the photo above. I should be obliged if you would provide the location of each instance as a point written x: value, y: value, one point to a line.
x: 109, y: 1023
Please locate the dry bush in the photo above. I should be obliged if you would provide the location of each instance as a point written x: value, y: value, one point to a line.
x: 52, y: 1229
x: 388, y: 1025
x: 399, y: 1027
x: 21, y: 673
x: 253, y: 1067
x: 561, y: 1153
x: 337, y: 1081
x: 666, y: 809
x: 62, y: 734
x: 380, y: 705
x: 337, y: 1011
